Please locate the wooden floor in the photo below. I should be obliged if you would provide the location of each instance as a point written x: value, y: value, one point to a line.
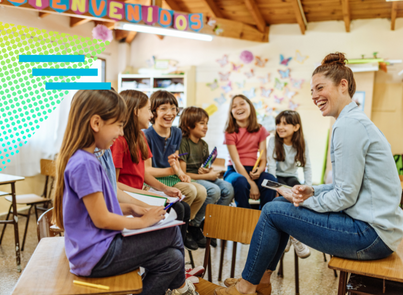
x: 315, y: 277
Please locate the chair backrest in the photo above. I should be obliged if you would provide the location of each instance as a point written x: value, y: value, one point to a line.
x: 44, y: 226
x: 48, y: 167
x: 230, y: 223
x: 219, y: 162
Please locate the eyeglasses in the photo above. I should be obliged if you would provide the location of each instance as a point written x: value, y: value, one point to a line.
x: 165, y: 110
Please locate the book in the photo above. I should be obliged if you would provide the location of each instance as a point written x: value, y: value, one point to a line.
x: 274, y: 185
x: 149, y: 199
x: 210, y: 160
x: 162, y: 194
x: 169, y: 221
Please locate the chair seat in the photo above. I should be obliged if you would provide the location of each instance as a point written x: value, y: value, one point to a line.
x: 28, y: 199
x: 366, y: 285
x: 205, y: 287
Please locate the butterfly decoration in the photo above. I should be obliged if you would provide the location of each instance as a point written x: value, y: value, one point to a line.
x: 220, y: 100
x: 260, y: 62
x: 292, y: 106
x: 279, y: 84
x: 269, y: 110
x: 258, y: 105
x: 151, y: 62
x: 284, y: 74
x: 211, y: 22
x: 264, y: 80
x: 223, y: 61
x: 218, y: 30
x: 227, y: 88
x: 289, y: 94
x: 284, y: 61
x: 250, y: 93
x: 297, y: 83
x: 236, y: 68
x: 224, y: 77
x: 249, y: 74
x: 266, y: 92
x: 301, y: 58
x: 214, y: 85
x: 278, y: 99
x: 240, y: 84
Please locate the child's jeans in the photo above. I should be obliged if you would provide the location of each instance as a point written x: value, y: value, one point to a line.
x: 218, y: 191
x: 159, y: 252
x: 242, y: 187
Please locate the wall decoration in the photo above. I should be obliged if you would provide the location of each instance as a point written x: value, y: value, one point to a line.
x: 266, y: 92
x: 211, y: 109
x: 236, y: 68
x: 289, y: 94
x: 279, y: 84
x: 300, y: 58
x: 212, y: 22
x: 250, y: 93
x: 268, y: 122
x: 284, y: 61
x: 240, y: 84
x: 223, y: 61
x: 165, y: 18
x: 284, y: 74
x: 292, y: 106
x: 40, y: 5
x: 297, y: 83
x: 151, y: 62
x: 264, y: 80
x: 218, y: 30
x: 260, y: 62
x: 359, y: 99
x: 258, y: 105
x: 101, y: 32
x: 227, y: 88
x: 249, y: 74
x: 220, y: 100
x: 278, y: 99
x: 213, y: 86
x: 246, y: 56
x: 224, y: 77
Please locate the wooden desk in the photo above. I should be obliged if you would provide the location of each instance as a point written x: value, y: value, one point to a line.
x: 11, y: 179
x: 390, y: 268
x: 48, y: 273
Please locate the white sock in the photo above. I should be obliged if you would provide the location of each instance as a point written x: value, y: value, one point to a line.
x: 184, y: 289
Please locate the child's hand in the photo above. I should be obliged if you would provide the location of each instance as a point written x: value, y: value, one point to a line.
x: 301, y: 193
x: 204, y: 170
x: 255, y: 174
x: 254, y: 191
x: 172, y: 192
x: 213, y: 175
x: 174, y: 163
x: 139, y: 211
x: 184, y: 178
x: 154, y: 215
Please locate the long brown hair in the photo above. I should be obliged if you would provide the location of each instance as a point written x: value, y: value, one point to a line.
x: 298, y: 141
x: 231, y: 126
x: 189, y: 117
x: 135, y: 100
x: 334, y: 67
x: 85, y: 104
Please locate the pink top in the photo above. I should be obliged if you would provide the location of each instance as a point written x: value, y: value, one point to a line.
x: 247, y: 144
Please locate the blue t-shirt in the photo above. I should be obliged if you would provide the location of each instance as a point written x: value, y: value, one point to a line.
x: 162, y: 147
x: 85, y: 244
x: 106, y: 161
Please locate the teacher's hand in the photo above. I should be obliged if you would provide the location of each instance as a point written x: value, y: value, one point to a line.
x: 301, y: 193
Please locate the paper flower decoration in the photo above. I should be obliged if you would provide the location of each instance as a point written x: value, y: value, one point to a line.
x: 246, y: 56
x: 102, y: 32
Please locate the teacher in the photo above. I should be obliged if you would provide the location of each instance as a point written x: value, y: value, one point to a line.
x: 356, y: 217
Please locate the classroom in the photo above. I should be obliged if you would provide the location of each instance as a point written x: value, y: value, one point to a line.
x: 233, y: 132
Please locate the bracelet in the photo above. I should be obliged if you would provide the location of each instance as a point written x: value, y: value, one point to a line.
x: 313, y: 191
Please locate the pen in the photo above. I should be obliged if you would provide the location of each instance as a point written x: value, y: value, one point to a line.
x: 169, y: 206
x: 91, y: 285
x: 184, y: 154
x: 258, y: 160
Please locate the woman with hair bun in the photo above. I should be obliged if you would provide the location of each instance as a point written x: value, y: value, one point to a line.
x: 357, y: 216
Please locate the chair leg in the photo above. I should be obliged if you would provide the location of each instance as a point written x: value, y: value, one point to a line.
x: 296, y: 269
x: 210, y: 270
x: 223, y: 243
x: 36, y: 213
x: 324, y: 256
x: 26, y: 227
x: 233, y: 259
x: 280, y: 272
x: 191, y: 259
x: 4, y: 227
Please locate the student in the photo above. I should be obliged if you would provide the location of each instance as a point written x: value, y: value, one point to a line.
x: 357, y: 216
x: 87, y: 208
x: 131, y: 150
x: 164, y: 141
x: 193, y: 123
x: 244, y: 136
x: 286, y: 152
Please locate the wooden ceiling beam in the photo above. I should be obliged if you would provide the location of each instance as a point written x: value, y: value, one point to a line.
x: 346, y: 14
x: 130, y: 37
x: 121, y: 34
x: 43, y: 14
x: 256, y: 14
x: 299, y: 15
x: 76, y: 21
x: 173, y: 5
x: 213, y: 8
x: 393, y: 16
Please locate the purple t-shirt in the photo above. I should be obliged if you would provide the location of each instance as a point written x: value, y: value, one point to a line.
x: 85, y: 243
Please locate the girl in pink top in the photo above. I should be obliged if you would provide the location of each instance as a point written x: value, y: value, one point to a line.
x: 244, y: 137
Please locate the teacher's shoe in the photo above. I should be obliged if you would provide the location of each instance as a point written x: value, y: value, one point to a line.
x: 262, y: 289
x: 230, y: 291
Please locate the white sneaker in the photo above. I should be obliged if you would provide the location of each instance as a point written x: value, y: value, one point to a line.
x: 301, y: 249
x: 288, y: 246
x: 191, y: 290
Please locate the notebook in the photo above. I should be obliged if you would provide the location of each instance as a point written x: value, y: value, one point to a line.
x: 210, y: 160
x: 149, y: 199
x: 162, y: 194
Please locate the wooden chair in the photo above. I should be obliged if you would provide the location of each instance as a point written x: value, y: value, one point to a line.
x: 219, y: 165
x: 401, y: 183
x: 48, y: 271
x: 48, y: 169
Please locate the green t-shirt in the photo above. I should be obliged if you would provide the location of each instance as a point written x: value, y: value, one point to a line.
x: 197, y: 154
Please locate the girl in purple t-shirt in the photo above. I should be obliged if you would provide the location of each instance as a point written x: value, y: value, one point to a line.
x: 244, y: 137
x: 87, y: 208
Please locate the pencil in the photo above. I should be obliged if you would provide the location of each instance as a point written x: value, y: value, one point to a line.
x: 258, y: 160
x: 91, y: 285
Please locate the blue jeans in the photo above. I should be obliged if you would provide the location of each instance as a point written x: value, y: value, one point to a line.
x: 159, y: 252
x: 218, y: 191
x: 334, y: 233
x: 242, y: 187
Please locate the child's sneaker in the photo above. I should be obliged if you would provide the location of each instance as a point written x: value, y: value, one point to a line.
x: 191, y: 290
x: 197, y: 235
x: 288, y: 246
x: 197, y: 271
x: 301, y: 249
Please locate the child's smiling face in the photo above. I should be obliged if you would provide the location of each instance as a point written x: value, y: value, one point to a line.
x: 240, y: 109
x: 200, y: 129
x: 166, y: 114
